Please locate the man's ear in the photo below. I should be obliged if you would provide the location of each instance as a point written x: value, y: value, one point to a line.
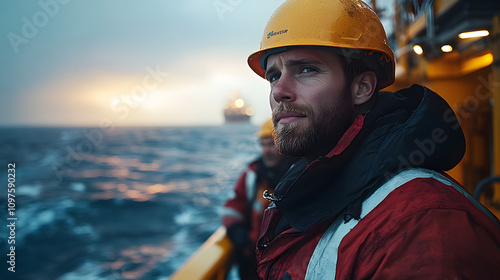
x: 363, y: 87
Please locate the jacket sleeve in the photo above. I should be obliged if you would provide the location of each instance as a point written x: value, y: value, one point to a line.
x: 437, y: 244
x: 235, y: 208
x: 422, y: 230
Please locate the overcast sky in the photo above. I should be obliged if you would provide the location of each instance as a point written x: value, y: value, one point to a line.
x: 154, y: 62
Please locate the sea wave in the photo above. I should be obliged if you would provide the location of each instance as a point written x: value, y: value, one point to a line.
x: 133, y: 205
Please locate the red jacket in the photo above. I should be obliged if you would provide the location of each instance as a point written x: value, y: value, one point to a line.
x: 247, y: 206
x: 424, y: 229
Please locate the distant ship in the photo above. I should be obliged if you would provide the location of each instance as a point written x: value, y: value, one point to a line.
x: 237, y: 111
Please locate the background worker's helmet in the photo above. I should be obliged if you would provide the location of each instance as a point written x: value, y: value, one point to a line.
x: 266, y: 130
x: 350, y: 27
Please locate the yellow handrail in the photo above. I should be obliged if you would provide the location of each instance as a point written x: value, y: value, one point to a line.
x: 212, y: 261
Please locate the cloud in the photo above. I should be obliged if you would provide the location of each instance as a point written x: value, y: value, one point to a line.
x: 63, y: 60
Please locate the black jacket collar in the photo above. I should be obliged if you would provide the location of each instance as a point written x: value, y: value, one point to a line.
x: 413, y: 127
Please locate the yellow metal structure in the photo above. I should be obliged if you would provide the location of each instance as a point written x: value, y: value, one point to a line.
x: 468, y: 77
x: 212, y: 261
x: 495, y: 89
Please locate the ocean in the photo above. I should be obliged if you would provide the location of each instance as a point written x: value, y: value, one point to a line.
x: 114, y: 203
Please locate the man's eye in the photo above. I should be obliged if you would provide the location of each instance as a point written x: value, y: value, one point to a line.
x: 273, y: 78
x: 308, y: 70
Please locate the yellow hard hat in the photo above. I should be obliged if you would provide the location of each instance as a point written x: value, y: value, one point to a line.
x: 351, y: 27
x: 266, y: 130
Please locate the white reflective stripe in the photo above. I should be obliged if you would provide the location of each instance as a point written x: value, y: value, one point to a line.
x: 323, y: 262
x: 250, y: 184
x: 257, y: 206
x: 230, y: 212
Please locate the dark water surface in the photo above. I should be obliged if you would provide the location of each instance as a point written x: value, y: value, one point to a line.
x: 126, y: 203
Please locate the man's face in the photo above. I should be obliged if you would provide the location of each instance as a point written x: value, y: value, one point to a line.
x: 312, y: 106
x: 270, y: 154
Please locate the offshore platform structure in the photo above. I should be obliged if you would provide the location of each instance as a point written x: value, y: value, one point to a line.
x: 452, y: 47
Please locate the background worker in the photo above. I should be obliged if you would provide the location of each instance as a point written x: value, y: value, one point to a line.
x: 369, y: 198
x: 243, y: 213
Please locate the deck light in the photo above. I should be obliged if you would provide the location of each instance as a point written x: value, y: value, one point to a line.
x: 418, y: 49
x: 446, y: 48
x: 473, y: 34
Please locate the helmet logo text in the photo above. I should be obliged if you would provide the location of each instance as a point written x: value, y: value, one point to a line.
x: 272, y: 33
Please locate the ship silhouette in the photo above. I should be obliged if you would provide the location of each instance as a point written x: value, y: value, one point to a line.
x: 237, y: 111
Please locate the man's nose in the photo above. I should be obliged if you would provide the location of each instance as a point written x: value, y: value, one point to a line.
x: 283, y: 90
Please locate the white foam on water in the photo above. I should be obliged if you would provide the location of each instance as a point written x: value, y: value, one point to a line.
x: 78, y: 187
x: 88, y: 271
x: 86, y: 230
x: 31, y: 218
x: 189, y: 216
x: 34, y: 216
x: 29, y: 190
x: 183, y: 218
x: 50, y: 157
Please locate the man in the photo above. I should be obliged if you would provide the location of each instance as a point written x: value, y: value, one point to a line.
x: 243, y: 213
x: 368, y: 199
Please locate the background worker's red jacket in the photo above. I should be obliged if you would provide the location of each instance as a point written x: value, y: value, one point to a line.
x: 247, y: 206
x: 424, y: 229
